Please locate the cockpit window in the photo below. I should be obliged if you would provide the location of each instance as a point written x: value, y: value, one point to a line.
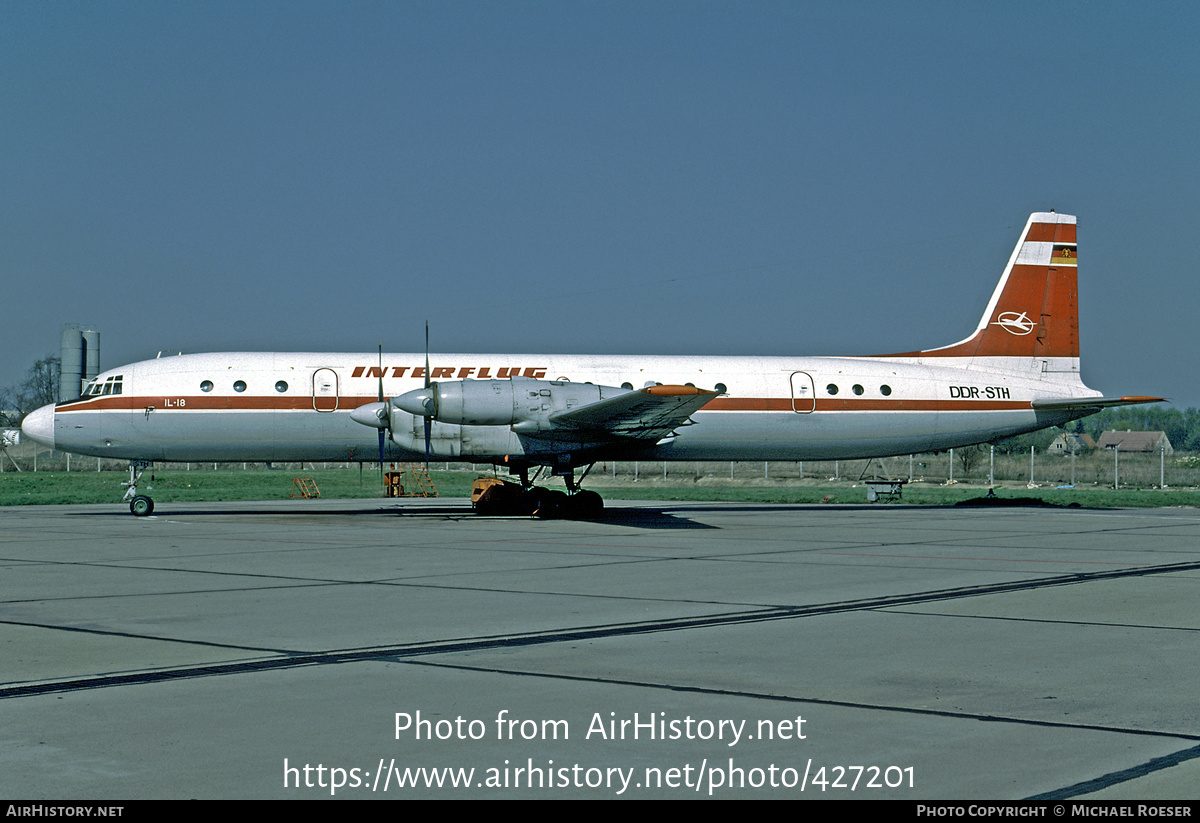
x: 111, y: 385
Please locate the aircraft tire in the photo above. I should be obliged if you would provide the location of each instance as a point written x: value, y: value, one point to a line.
x: 555, y: 503
x: 547, y: 503
x: 141, y: 505
x: 530, y: 501
x: 586, y: 504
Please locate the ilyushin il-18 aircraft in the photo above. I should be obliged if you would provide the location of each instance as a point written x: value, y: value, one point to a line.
x: 1017, y: 372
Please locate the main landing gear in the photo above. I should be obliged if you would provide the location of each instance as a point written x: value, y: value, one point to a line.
x: 140, y: 504
x: 493, y: 496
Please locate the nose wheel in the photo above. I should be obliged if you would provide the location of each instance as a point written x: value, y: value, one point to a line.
x: 139, y: 504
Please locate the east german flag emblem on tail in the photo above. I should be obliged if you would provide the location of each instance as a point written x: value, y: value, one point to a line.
x: 1063, y: 256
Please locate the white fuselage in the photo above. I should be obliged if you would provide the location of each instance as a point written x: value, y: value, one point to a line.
x: 296, y: 406
x: 1017, y: 372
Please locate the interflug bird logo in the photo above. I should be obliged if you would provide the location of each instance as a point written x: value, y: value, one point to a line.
x: 1014, y: 323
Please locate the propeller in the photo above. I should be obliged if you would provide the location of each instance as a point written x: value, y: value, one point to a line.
x: 422, y: 402
x: 385, y: 411
x: 428, y: 383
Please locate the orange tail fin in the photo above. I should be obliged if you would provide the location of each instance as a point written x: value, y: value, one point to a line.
x: 1034, y: 313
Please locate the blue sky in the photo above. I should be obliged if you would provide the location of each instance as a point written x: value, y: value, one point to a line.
x: 651, y: 177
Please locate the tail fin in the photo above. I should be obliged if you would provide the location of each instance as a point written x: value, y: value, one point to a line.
x: 1032, y: 320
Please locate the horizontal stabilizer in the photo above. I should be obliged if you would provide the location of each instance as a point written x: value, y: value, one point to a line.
x: 1079, y: 403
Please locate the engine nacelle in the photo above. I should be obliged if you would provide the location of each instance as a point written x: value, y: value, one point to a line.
x: 500, y: 402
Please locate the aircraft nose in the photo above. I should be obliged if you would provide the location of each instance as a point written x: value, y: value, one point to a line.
x: 39, y: 425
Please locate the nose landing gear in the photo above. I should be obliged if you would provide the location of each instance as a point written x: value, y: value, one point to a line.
x: 139, y: 504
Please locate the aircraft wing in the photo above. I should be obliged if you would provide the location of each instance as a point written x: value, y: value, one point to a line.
x: 1075, y: 403
x: 651, y: 413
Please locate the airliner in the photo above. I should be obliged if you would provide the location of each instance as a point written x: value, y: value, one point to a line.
x: 1016, y: 373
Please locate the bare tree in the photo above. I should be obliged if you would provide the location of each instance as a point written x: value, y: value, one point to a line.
x: 968, y: 457
x: 39, y: 387
x: 41, y: 382
x: 10, y: 413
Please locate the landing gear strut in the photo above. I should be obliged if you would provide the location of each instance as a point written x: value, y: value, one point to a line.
x: 140, y: 504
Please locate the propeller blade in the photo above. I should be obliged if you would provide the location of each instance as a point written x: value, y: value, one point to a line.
x: 428, y: 419
x: 381, y: 436
x: 389, y: 417
x: 380, y: 371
